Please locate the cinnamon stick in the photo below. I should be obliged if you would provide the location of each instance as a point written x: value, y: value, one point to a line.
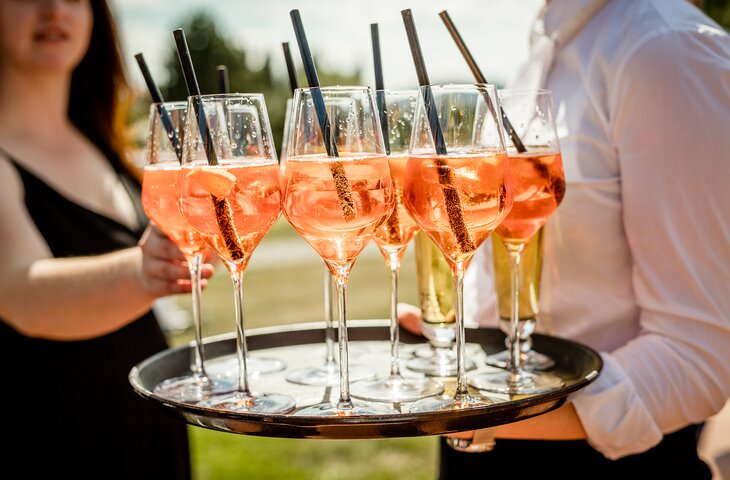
x: 344, y: 190
x: 453, y: 207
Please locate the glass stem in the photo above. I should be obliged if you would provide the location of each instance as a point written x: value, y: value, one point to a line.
x: 241, y: 348
x: 195, y: 263
x: 462, y: 393
x: 345, y: 402
x: 515, y: 357
x: 329, y: 335
x: 394, y: 264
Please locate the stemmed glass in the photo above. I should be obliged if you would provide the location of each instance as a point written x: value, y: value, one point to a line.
x: 458, y: 190
x: 529, y: 287
x: 160, y: 195
x: 327, y: 374
x: 230, y: 194
x: 392, y: 239
x: 539, y: 186
x: 337, y: 192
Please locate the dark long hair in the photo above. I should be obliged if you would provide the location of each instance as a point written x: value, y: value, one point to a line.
x: 99, y: 89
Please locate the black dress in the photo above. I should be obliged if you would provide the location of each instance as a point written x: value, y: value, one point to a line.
x: 675, y: 457
x: 68, y: 408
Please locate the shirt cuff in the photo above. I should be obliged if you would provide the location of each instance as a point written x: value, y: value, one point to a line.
x: 616, y: 421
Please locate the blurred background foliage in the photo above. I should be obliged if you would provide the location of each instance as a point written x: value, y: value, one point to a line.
x: 719, y: 10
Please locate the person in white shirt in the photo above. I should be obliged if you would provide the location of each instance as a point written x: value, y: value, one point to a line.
x: 637, y: 256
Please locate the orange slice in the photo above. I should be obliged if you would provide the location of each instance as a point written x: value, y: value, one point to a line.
x: 218, y: 183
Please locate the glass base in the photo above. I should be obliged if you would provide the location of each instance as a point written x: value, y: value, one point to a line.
x: 193, y: 388
x: 227, y: 367
x: 397, y: 390
x: 441, y: 364
x: 532, y: 361
x: 357, y: 408
x: 444, y: 403
x: 427, y: 351
x: 255, y: 403
x: 525, y: 383
x: 328, y: 375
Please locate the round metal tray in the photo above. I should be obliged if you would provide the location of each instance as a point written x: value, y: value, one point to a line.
x: 303, y: 345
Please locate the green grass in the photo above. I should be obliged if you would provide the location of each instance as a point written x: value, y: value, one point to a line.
x: 221, y: 456
x: 293, y: 293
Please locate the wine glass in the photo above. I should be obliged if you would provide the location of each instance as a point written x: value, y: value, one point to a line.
x: 230, y: 194
x: 337, y: 192
x: 392, y: 239
x: 539, y: 187
x: 529, y: 288
x: 458, y: 190
x: 160, y: 195
x: 327, y: 374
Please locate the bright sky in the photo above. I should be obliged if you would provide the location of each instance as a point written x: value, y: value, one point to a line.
x: 496, y: 32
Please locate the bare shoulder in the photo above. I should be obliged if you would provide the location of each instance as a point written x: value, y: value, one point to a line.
x: 22, y: 243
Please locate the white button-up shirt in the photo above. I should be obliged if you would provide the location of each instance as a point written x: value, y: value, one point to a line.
x: 637, y: 256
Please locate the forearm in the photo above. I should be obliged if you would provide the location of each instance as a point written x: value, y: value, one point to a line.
x: 560, y: 424
x: 76, y: 298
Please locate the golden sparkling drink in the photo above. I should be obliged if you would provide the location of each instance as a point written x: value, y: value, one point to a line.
x: 529, y: 288
x: 435, y: 291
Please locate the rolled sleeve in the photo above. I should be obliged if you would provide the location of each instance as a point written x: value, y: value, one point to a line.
x: 616, y: 421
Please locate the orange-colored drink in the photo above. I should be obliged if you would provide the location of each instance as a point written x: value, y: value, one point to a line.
x: 539, y: 187
x: 458, y: 200
x: 232, y: 206
x: 161, y: 200
x: 318, y: 204
x: 400, y: 228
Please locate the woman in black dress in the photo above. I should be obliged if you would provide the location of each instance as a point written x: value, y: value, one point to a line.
x: 79, y: 266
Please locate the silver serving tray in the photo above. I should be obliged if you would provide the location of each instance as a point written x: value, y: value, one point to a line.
x: 302, y: 345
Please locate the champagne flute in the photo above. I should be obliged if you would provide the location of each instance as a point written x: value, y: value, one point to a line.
x: 529, y: 288
x: 438, y: 318
x: 231, y: 195
x: 392, y: 239
x: 337, y: 191
x: 539, y: 186
x: 458, y: 190
x: 160, y: 194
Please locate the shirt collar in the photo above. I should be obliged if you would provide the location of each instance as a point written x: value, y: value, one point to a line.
x: 562, y: 18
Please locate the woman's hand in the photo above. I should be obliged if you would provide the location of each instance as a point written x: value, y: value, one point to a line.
x: 409, y: 317
x: 164, y: 269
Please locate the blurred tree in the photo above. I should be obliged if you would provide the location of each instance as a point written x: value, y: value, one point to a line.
x: 719, y: 10
x: 210, y: 48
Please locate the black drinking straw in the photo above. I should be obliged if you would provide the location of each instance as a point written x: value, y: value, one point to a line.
x: 480, y: 78
x: 313, y: 80
x: 423, y: 81
x: 290, y: 70
x: 222, y: 73
x: 191, y: 81
x: 452, y: 201
x: 160, y: 103
x: 380, y: 85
